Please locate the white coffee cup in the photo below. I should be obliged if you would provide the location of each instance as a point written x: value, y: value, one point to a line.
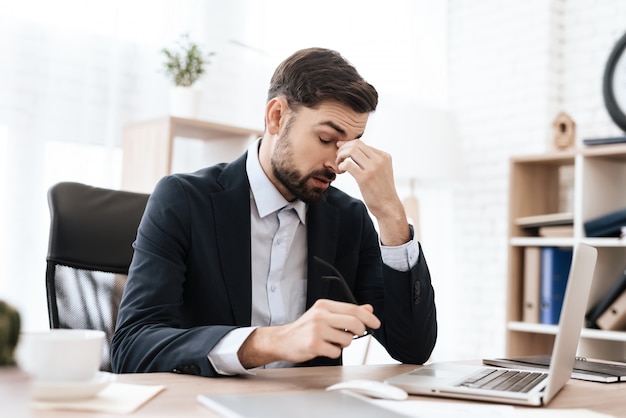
x: 60, y: 355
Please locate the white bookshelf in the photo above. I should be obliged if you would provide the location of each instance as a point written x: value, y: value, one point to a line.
x: 537, y: 186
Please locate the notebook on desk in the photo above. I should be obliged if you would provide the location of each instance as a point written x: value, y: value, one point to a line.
x: 584, y: 369
x: 308, y: 404
x: 515, y: 386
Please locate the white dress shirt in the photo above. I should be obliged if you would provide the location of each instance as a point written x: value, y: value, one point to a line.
x: 279, y: 264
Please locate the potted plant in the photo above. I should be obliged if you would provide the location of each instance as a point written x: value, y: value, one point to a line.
x: 184, y: 64
x: 9, y: 333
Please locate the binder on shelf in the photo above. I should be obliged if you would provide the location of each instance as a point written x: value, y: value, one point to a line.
x: 549, y: 219
x: 614, y: 318
x: 555, y: 265
x: 603, y: 141
x: 556, y: 231
x: 618, y: 288
x: 531, y: 286
x: 608, y: 225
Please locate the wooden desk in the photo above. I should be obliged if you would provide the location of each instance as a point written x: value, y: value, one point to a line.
x: 179, y: 397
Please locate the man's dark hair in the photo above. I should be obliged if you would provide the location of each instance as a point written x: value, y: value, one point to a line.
x: 315, y: 75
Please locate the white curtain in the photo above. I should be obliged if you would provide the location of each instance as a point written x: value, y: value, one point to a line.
x: 72, y: 74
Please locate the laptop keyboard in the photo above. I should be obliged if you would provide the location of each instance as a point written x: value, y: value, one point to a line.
x: 504, y: 379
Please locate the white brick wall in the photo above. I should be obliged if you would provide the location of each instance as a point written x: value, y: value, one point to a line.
x: 512, y: 66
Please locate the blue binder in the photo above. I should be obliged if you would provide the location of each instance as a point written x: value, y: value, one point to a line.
x: 555, y: 265
x: 608, y: 225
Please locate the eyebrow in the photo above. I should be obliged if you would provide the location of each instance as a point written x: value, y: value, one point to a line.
x: 337, y: 128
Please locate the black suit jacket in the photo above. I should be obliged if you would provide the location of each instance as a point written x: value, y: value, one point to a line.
x: 190, y: 279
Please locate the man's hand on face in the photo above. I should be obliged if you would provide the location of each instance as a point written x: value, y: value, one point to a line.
x: 373, y: 171
x: 324, y: 330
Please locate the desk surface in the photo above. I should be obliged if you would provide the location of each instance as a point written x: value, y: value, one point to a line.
x: 179, y: 397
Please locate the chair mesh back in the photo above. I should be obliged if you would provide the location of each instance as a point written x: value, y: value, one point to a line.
x: 89, y: 253
x: 88, y: 299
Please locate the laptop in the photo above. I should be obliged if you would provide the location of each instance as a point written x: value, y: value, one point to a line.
x: 515, y: 386
x: 603, y: 371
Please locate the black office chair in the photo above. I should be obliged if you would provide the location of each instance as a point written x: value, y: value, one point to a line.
x: 89, y: 252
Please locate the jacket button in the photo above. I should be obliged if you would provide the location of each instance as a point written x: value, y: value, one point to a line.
x: 417, y: 293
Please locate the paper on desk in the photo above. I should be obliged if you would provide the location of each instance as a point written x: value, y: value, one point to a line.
x: 117, y: 398
x: 419, y: 409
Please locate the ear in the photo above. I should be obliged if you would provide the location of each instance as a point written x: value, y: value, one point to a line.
x: 275, y: 112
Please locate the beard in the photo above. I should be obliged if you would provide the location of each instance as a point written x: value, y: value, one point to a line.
x: 288, y: 174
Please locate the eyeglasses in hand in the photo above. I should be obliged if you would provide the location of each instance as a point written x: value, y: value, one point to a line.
x: 343, y: 284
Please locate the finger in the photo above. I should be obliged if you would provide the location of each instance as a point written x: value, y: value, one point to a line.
x: 342, y: 311
x: 370, y: 320
x: 326, y: 339
x: 363, y: 162
x: 340, y: 337
x: 357, y: 151
x: 348, y: 165
x: 349, y: 324
x: 364, y: 313
x: 345, y: 161
x: 357, y: 322
x: 368, y: 307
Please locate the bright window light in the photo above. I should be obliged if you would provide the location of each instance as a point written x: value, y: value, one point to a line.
x: 4, y: 152
x: 95, y: 165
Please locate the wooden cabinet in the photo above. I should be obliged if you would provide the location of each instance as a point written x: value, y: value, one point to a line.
x: 587, y: 183
x: 148, y: 146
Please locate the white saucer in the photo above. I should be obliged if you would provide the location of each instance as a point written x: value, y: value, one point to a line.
x: 66, y: 391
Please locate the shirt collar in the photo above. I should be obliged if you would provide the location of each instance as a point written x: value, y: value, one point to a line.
x: 264, y: 194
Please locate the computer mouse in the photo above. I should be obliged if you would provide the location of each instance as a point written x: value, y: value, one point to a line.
x: 372, y: 388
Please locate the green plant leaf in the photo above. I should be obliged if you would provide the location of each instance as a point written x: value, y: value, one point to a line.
x: 185, y: 63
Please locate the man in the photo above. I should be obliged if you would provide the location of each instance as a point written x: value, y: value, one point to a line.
x: 223, y: 278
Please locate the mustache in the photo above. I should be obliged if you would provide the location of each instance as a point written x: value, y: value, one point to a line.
x: 324, y: 173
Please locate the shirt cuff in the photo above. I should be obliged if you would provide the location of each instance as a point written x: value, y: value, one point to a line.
x: 402, y: 257
x: 224, y: 357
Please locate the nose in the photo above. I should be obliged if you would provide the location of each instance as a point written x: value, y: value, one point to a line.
x: 331, y: 161
x: 331, y: 164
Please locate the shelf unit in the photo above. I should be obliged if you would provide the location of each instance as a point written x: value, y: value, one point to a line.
x: 588, y: 182
x: 148, y: 146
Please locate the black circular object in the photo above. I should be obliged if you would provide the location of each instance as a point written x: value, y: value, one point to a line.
x: 615, y: 93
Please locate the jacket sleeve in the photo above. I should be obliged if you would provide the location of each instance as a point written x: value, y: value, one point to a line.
x: 409, y: 329
x: 152, y: 334
x: 404, y: 301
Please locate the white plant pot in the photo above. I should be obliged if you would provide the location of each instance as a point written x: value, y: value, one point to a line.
x: 185, y: 102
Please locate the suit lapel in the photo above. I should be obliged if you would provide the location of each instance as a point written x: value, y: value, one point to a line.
x: 322, y: 236
x: 233, y: 238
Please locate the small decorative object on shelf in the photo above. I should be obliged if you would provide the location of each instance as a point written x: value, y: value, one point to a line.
x: 9, y: 333
x: 564, y: 131
x: 185, y: 64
